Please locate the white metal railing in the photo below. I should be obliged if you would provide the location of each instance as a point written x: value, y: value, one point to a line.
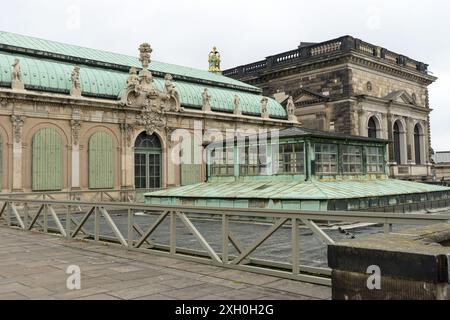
x: 78, y: 220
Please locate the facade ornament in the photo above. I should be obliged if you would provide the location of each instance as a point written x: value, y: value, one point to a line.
x: 236, y: 104
x: 76, y: 85
x: 17, y: 124
x: 76, y: 127
x: 151, y: 118
x: 214, y: 61
x: 206, y: 101
x: 133, y: 78
x: 264, y: 110
x: 127, y: 132
x: 140, y: 91
x: 290, y: 109
x: 16, y: 81
x: 4, y: 102
x: 144, y: 57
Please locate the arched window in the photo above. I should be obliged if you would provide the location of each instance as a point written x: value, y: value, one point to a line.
x: 47, y: 160
x: 418, y: 143
x: 101, y: 161
x: 372, y: 128
x: 147, y: 162
x: 397, y: 144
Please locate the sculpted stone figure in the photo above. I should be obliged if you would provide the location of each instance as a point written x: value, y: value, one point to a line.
x: 133, y: 78
x: 236, y: 104
x: 290, y: 109
x: 16, y: 81
x: 264, y: 110
x: 17, y: 72
x: 214, y: 61
x: 76, y: 85
x: 206, y: 100
x: 169, y: 88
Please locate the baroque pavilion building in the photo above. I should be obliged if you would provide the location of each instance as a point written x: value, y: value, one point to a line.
x: 74, y: 118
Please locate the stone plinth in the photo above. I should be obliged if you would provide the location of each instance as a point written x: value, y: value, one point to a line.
x: 413, y: 265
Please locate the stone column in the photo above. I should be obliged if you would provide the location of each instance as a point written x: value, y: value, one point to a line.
x: 76, y: 126
x: 17, y: 125
x: 410, y: 148
x: 363, y: 129
x: 127, y: 181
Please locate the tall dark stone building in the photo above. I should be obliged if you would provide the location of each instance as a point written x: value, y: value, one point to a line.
x: 354, y: 87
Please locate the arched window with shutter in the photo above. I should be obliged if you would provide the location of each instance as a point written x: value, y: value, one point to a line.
x: 101, y: 161
x: 47, y: 160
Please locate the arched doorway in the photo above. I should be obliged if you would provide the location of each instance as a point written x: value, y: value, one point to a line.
x: 372, y: 128
x: 147, y: 162
x: 418, y: 143
x: 397, y: 143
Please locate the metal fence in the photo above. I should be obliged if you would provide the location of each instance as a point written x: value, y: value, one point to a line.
x: 131, y: 226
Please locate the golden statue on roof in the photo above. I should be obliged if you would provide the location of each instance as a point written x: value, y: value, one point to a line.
x: 214, y: 61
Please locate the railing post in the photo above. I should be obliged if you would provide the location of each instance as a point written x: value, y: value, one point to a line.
x: 130, y: 228
x: 387, y: 228
x: 68, y: 223
x: 8, y: 214
x: 25, y: 215
x: 45, y: 219
x: 225, y: 241
x: 173, y: 233
x: 97, y: 225
x: 295, y: 247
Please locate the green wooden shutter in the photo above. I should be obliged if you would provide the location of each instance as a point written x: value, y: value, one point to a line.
x: 47, y: 160
x: 101, y: 161
x: 1, y: 162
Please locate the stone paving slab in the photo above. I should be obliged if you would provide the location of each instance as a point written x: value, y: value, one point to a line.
x: 33, y: 266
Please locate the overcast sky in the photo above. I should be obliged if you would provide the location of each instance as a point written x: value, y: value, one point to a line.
x: 183, y: 32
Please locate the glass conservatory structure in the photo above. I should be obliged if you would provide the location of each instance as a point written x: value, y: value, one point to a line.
x: 302, y: 169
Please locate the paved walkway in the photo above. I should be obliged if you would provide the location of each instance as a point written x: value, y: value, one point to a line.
x: 33, y: 266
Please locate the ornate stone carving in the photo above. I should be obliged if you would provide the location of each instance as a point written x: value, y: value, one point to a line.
x: 17, y: 124
x: 76, y: 127
x: 76, y: 85
x: 133, y: 78
x: 214, y: 61
x: 206, y: 101
x: 16, y: 81
x: 127, y: 132
x: 237, y: 105
x: 142, y: 94
x: 3, y: 102
x: 290, y: 109
x: 145, y: 51
x: 264, y: 110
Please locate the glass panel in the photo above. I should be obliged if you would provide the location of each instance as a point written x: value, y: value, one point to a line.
x: 326, y: 159
x: 375, y: 160
x: 291, y: 159
x: 352, y: 160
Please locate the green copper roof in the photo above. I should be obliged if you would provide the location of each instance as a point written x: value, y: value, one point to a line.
x: 294, y: 190
x: 54, y: 76
x: 79, y: 55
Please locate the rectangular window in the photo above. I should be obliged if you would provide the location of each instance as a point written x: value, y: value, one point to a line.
x: 352, y: 162
x: 222, y: 162
x: 326, y: 159
x: 290, y: 158
x: 375, y: 160
x: 253, y: 160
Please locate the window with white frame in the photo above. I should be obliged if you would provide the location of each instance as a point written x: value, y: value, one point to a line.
x: 290, y: 158
x: 326, y: 159
x: 375, y: 160
x: 352, y: 159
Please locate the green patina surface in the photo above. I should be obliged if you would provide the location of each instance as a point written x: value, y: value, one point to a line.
x: 295, y: 190
x: 63, y: 49
x: 54, y: 76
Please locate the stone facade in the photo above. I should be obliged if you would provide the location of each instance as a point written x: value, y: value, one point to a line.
x: 341, y: 84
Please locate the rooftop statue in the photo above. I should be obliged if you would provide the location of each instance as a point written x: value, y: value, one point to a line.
x: 76, y: 85
x: 214, y: 61
x: 264, y: 110
x: 206, y: 100
x: 133, y: 78
x: 17, y: 72
x: 290, y: 109
x: 145, y: 50
x: 236, y: 104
